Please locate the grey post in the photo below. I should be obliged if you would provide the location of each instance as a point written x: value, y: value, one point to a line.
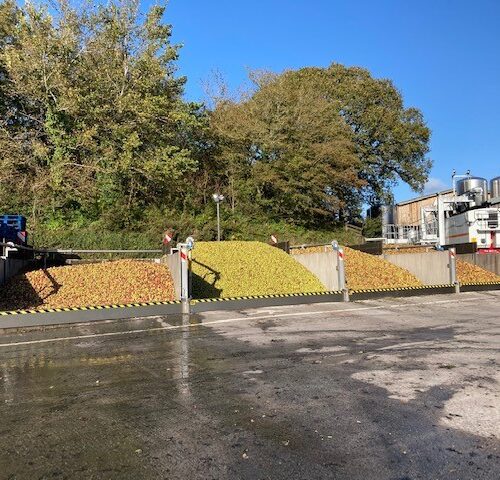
x: 185, y: 259
x: 218, y: 221
x: 341, y: 270
x: 217, y: 197
x: 452, y: 265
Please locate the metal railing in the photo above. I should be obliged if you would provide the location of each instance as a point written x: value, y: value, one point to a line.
x: 77, y: 251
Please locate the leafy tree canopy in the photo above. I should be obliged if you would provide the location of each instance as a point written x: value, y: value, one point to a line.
x: 321, y: 140
x: 94, y: 130
x: 96, y: 120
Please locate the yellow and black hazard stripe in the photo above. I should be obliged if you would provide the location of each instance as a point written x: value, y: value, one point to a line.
x: 472, y: 284
x: 399, y: 289
x: 228, y: 299
x: 259, y: 297
x: 89, y: 307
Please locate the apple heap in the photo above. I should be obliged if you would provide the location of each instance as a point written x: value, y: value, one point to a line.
x: 469, y: 273
x: 239, y: 268
x: 365, y: 271
x: 105, y: 283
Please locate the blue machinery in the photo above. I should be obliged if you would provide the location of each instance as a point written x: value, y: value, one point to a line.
x: 13, y: 229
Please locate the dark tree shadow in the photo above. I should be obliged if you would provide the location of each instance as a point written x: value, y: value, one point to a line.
x: 18, y: 293
x: 205, y: 287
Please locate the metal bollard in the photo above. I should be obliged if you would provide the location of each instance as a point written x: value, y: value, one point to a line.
x: 185, y: 293
x: 185, y: 250
x: 452, y: 265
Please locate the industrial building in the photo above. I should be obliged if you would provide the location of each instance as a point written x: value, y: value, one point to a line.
x: 467, y: 214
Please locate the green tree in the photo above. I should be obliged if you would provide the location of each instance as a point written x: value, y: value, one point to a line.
x: 313, y: 144
x: 287, y: 149
x: 108, y: 132
x: 391, y: 141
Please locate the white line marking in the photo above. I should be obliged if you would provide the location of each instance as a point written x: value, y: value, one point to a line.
x: 230, y: 320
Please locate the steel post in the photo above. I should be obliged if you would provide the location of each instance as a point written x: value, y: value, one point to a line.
x: 218, y: 221
x: 452, y: 265
x: 341, y: 274
x: 185, y: 284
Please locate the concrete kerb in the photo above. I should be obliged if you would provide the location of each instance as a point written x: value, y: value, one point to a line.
x: 63, y: 316
x: 242, y: 303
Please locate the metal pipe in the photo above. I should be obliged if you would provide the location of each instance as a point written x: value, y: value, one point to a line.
x: 71, y: 250
x: 103, y: 251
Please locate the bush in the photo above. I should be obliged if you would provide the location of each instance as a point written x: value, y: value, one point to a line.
x: 147, y: 234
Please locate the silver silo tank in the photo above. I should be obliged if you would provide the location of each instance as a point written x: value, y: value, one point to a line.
x: 388, y: 214
x: 495, y: 187
x: 476, y: 186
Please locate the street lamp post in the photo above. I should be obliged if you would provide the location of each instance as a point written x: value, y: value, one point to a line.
x: 217, y: 199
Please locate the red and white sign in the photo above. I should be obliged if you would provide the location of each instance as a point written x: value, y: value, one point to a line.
x: 184, y: 255
x: 488, y: 250
x: 167, y: 238
x: 274, y: 239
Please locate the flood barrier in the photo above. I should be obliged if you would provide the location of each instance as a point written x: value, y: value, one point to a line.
x: 63, y: 316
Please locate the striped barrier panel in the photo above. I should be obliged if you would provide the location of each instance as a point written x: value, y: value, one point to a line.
x: 68, y: 315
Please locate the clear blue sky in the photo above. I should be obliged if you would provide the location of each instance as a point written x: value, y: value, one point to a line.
x: 443, y: 55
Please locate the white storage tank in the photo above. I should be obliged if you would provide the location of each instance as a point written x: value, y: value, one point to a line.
x: 475, y: 187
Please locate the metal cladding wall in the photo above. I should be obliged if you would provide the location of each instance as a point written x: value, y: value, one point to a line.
x: 488, y: 261
x: 431, y: 268
x: 323, y: 265
x: 10, y: 267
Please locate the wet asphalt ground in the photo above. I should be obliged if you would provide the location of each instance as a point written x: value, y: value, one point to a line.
x: 401, y: 389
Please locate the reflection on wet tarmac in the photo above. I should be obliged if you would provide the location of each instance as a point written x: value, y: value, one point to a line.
x: 268, y: 398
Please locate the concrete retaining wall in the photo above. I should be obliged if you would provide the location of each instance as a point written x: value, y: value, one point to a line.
x: 488, y: 261
x: 10, y: 267
x: 323, y: 265
x: 174, y: 264
x: 430, y: 268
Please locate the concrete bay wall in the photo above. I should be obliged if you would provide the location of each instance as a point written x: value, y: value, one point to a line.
x: 323, y: 265
x: 174, y: 265
x: 488, y: 261
x: 430, y: 268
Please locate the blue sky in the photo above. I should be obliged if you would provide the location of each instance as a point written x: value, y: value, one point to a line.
x: 443, y: 55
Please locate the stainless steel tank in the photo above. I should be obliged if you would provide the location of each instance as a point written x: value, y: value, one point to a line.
x: 474, y: 187
x: 388, y: 214
x: 495, y: 187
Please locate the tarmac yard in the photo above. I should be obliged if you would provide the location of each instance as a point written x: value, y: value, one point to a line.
x: 397, y: 389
